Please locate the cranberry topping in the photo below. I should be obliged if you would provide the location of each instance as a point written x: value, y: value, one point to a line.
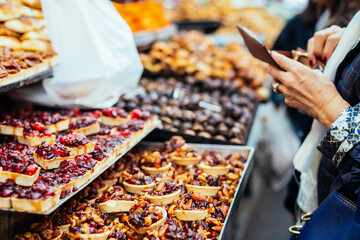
x: 163, y: 188
x: 36, y: 129
x: 85, y: 161
x: 52, y: 151
x: 20, y: 163
x: 8, y: 188
x: 142, y: 115
x: 53, y: 179
x: 82, y: 123
x: 14, y: 122
x: 73, y: 140
x: 36, y: 192
x: 133, y: 125
x: 114, y: 112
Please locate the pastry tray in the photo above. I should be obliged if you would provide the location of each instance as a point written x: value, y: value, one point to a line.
x: 132, y: 142
x: 162, y: 134
x: 225, y: 150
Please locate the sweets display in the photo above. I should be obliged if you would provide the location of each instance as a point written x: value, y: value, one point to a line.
x: 216, y: 109
x: 195, y: 54
x: 38, y: 168
x: 167, y: 210
x: 23, y: 26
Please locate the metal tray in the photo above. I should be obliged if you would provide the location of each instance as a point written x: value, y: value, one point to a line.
x: 133, y: 142
x: 161, y: 135
x: 9, y: 84
x: 246, y: 151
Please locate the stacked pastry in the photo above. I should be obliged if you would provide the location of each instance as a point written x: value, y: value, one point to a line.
x: 23, y: 26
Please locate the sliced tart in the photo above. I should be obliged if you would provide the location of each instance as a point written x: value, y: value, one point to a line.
x: 7, y: 191
x: 144, y: 216
x: 13, y: 127
x: 114, y: 116
x: 78, y: 144
x: 50, y: 156
x: 163, y: 193
x: 54, y: 122
x: 116, y: 199
x: 85, y: 126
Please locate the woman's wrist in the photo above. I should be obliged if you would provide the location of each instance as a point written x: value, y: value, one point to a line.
x: 332, y: 111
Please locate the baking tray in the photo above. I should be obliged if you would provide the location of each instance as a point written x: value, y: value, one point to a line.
x: 10, y: 84
x: 246, y: 151
x: 161, y: 135
x: 132, y: 143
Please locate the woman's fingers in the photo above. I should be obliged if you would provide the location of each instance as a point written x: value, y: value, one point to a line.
x: 288, y: 64
x: 277, y: 74
x: 330, y: 45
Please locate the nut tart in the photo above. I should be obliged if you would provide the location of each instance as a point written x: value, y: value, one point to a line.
x: 23, y: 179
x: 175, y: 143
x: 85, y: 126
x: 44, y: 228
x: 214, y: 163
x: 190, y: 207
x: 135, y: 181
x: 185, y: 156
x: 78, y: 144
x: 37, y: 198
x: 50, y: 156
x: 89, y: 224
x: 61, y: 217
x: 7, y: 191
x: 203, y: 183
x: 155, y: 162
x: 12, y: 127
x: 144, y: 216
x: 114, y: 116
x: 163, y: 193
x: 121, y: 231
x: 115, y: 199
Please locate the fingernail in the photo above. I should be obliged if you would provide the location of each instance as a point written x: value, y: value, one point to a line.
x: 324, y: 59
x: 311, y: 63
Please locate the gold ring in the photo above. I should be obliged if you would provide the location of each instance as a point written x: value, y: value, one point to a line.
x: 275, y: 86
x: 295, y: 229
x: 306, y: 217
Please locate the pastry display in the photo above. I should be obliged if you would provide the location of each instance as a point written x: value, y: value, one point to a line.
x: 85, y: 126
x: 38, y: 168
x: 195, y: 54
x: 168, y: 210
x: 226, y: 115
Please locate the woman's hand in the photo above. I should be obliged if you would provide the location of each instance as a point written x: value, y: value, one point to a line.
x: 322, y: 44
x: 307, y: 90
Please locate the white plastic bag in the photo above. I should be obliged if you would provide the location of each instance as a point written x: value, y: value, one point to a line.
x: 98, y: 57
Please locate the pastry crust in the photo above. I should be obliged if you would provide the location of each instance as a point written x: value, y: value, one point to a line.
x: 10, y: 130
x: 64, y: 228
x: 51, y: 163
x: 163, y: 200
x: 5, y: 202
x: 184, y: 161
x: 35, y: 205
x: 32, y: 3
x: 154, y: 226
x: 88, y: 130
x: 87, y: 148
x: 59, y: 126
x: 203, y: 190
x: 24, y: 24
x: 78, y: 182
x: 132, y: 188
x: 155, y: 171
x: 68, y: 186
x: 191, y: 215
x: 96, y: 236
x: 9, y: 11
x: 36, y: 45
x: 214, y: 170
x: 10, y: 42
x: 37, y: 34
x: 36, y: 141
x: 110, y: 121
x: 114, y: 206
x: 20, y: 179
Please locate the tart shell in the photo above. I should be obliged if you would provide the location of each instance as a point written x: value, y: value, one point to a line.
x: 155, y: 171
x: 154, y: 226
x: 191, y: 215
x: 88, y: 130
x: 114, y: 206
x: 52, y: 163
x: 5, y: 202
x: 20, y: 179
x: 59, y: 126
x: 132, y: 188
x: 78, y: 182
x: 203, y: 190
x: 111, y: 121
x: 36, y: 141
x: 87, y: 148
x: 184, y: 161
x: 214, y: 170
x: 35, y: 205
x: 163, y: 200
x: 10, y: 130
x: 95, y: 236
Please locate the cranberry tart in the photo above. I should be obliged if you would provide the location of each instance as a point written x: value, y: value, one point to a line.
x: 13, y: 127
x: 50, y: 156
x: 35, y: 134
x: 7, y: 191
x: 85, y: 126
x: 114, y: 116
x: 77, y: 143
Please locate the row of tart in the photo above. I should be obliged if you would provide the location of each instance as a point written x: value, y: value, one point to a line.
x: 160, y: 206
